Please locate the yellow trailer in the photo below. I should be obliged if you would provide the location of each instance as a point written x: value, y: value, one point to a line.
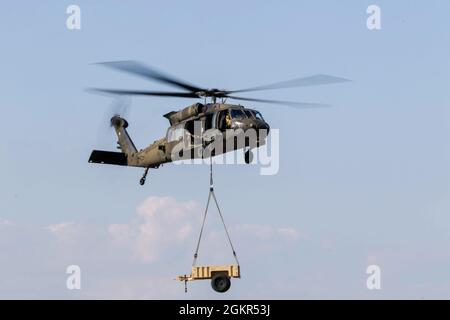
x: 219, y: 275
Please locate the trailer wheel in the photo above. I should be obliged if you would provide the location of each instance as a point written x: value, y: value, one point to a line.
x: 220, y: 282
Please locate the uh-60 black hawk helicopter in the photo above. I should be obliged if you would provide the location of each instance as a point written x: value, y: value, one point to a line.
x: 212, y: 119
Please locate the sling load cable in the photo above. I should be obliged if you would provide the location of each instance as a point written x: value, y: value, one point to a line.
x: 211, y: 193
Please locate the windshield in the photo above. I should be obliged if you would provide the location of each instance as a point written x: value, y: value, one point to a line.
x: 248, y: 113
x: 237, y: 114
x: 258, y: 115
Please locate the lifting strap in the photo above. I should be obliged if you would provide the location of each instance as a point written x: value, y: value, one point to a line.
x: 211, y: 193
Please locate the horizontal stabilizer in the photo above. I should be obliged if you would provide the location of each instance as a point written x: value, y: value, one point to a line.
x: 108, y: 157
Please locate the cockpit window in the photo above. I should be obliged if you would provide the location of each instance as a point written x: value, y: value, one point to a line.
x: 258, y: 115
x: 237, y: 114
x: 248, y: 113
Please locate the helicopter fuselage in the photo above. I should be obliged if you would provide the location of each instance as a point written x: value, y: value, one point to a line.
x: 191, y: 130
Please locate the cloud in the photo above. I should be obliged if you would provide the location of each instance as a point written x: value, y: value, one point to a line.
x: 268, y: 232
x: 140, y: 258
x: 60, y: 228
x: 137, y: 259
x: 160, y: 223
x: 6, y: 223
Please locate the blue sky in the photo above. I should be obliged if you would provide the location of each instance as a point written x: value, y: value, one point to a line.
x: 365, y: 182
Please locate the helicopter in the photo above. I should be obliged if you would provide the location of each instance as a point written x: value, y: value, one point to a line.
x: 197, y: 125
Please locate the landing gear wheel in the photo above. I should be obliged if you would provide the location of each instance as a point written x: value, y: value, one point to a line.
x: 220, y: 283
x: 248, y: 156
x: 142, y: 181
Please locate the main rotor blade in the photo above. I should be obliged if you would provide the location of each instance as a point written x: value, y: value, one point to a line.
x: 315, y: 80
x: 145, y: 93
x: 287, y: 103
x: 139, y: 69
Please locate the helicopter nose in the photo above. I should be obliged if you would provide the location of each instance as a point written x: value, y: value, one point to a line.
x: 260, y: 125
x: 264, y: 126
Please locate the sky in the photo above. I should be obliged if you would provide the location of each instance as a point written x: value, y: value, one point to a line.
x: 363, y: 183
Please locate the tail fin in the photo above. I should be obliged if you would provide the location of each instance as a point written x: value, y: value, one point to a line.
x: 125, y: 142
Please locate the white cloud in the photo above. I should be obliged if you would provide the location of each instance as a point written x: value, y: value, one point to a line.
x: 161, y: 223
x: 60, y: 228
x: 140, y: 259
x: 290, y: 233
x: 121, y: 233
x: 136, y: 259
x: 268, y: 232
x: 70, y: 231
x: 6, y: 223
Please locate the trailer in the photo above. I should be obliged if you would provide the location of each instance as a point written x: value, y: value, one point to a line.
x: 220, y: 275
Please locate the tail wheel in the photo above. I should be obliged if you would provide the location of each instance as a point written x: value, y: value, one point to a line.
x: 220, y: 283
x: 142, y: 181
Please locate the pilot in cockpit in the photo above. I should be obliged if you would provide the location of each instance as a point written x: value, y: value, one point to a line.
x: 228, y: 120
